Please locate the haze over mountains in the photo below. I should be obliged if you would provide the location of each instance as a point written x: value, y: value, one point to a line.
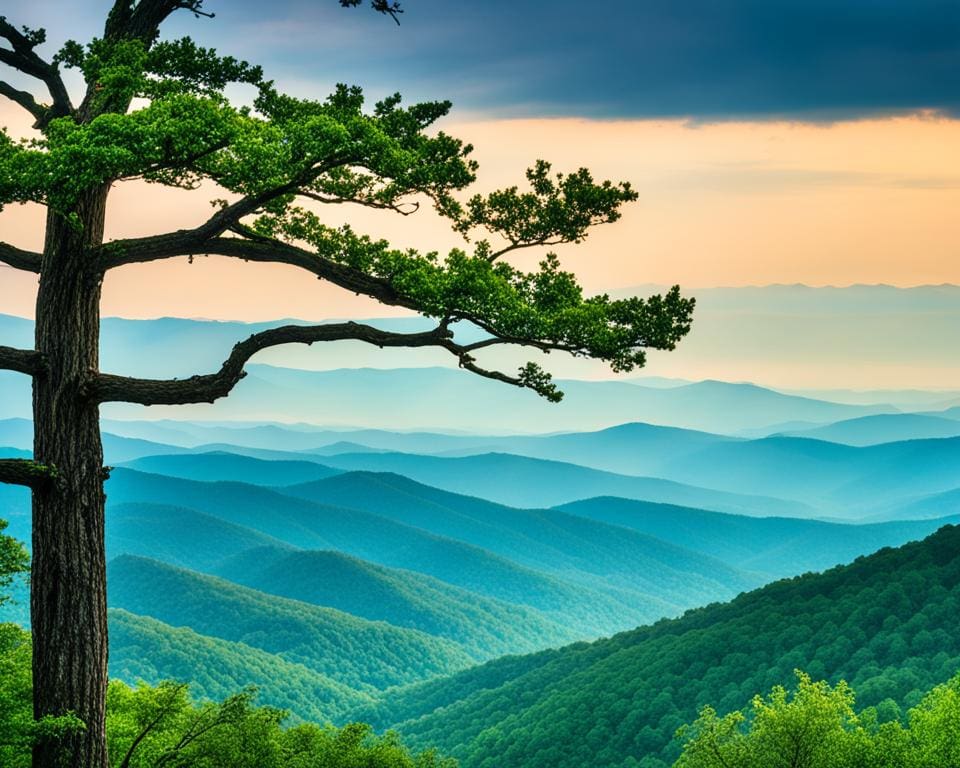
x: 790, y: 336
x: 516, y: 582
x: 779, y: 325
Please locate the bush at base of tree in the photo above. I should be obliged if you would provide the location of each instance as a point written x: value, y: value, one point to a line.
x: 816, y: 726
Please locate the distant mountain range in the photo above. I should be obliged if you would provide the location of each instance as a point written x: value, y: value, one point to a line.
x: 781, y: 475
x: 886, y: 428
x: 793, y: 336
x: 443, y: 398
x: 344, y: 584
x: 530, y: 482
x: 448, y: 399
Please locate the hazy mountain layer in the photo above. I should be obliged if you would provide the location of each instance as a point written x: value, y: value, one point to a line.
x: 588, y: 610
x: 773, y: 546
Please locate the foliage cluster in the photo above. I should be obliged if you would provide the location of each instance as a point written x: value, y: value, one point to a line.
x: 816, y: 726
x: 161, y: 727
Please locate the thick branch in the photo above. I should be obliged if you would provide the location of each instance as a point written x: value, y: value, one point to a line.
x: 19, y: 259
x: 22, y: 57
x: 142, y: 20
x: 26, y: 472
x: 24, y: 99
x: 188, y: 243
x: 208, y: 388
x: 21, y: 360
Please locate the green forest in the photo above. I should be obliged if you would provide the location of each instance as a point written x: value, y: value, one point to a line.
x: 815, y: 725
x: 884, y: 623
x: 890, y: 716
x: 340, y: 427
x: 154, y: 726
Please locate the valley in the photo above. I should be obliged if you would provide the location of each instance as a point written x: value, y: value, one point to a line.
x: 422, y: 580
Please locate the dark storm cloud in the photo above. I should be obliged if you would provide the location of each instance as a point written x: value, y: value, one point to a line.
x: 706, y: 59
x: 702, y: 58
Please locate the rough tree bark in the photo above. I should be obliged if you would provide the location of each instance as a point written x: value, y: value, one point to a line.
x: 68, y: 584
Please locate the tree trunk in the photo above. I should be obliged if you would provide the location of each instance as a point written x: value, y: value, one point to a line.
x: 68, y: 585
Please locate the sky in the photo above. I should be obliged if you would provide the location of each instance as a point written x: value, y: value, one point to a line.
x: 770, y: 141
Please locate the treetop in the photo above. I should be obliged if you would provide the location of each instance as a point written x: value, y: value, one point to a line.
x: 158, y: 110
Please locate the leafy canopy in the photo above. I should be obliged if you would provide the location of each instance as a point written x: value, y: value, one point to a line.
x: 14, y: 562
x: 815, y: 726
x: 159, y: 111
x: 161, y: 727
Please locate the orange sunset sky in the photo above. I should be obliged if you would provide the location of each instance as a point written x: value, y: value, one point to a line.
x: 807, y: 142
x: 733, y: 203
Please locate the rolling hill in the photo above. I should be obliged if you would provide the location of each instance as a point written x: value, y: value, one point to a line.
x: 361, y: 654
x: 537, y: 483
x: 214, y: 466
x: 482, y: 626
x: 885, y: 623
x: 593, y: 553
x: 774, y: 546
x: 307, y: 525
x: 144, y: 649
x: 843, y: 481
x: 180, y: 536
x: 884, y: 428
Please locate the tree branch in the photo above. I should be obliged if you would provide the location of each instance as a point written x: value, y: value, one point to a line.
x: 20, y: 259
x: 24, y: 99
x: 516, y: 245
x: 22, y: 57
x: 189, y: 243
x: 26, y: 472
x: 21, y: 360
x: 183, y: 163
x: 210, y: 387
x: 396, y: 208
x: 174, y: 694
x: 228, y: 217
x: 142, y: 19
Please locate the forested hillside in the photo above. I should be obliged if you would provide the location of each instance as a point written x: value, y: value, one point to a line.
x: 885, y: 623
x: 483, y: 626
x: 354, y: 594
x: 146, y: 649
x: 773, y: 546
x: 362, y: 654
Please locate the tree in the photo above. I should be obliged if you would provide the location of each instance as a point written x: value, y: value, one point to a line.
x: 812, y: 727
x: 14, y: 561
x: 155, y: 110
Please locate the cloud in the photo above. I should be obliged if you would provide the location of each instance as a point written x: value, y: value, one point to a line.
x: 710, y: 60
